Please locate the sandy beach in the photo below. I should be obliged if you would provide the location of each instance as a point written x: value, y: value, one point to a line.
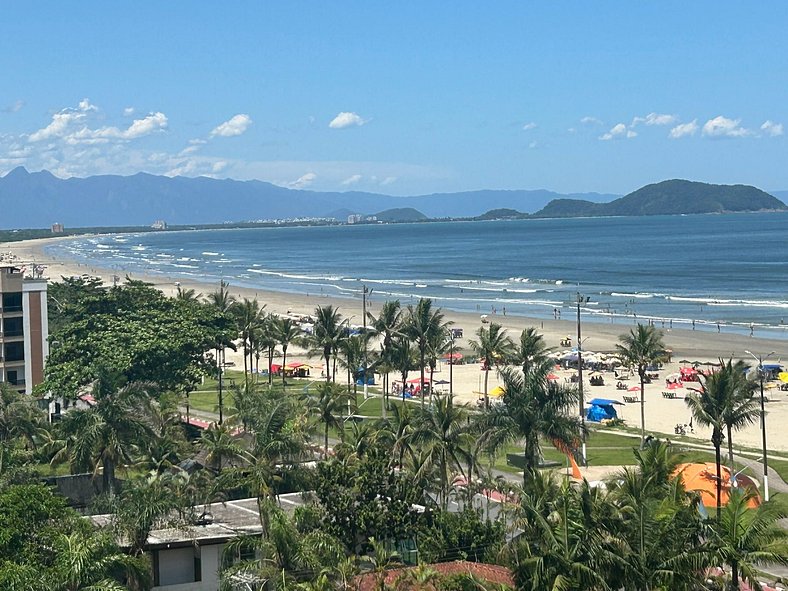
x: 662, y: 414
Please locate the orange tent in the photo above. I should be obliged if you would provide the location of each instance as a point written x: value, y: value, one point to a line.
x: 702, y: 477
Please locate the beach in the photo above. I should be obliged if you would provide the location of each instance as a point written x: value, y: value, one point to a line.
x: 662, y: 414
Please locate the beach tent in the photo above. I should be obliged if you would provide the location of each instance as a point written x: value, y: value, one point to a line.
x: 600, y: 409
x: 702, y: 477
x: 497, y: 392
x: 783, y: 377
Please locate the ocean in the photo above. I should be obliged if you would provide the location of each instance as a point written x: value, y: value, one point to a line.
x: 708, y: 272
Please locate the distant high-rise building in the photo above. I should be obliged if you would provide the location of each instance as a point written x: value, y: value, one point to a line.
x: 159, y: 225
x: 57, y: 228
x: 355, y: 218
x: 24, y: 329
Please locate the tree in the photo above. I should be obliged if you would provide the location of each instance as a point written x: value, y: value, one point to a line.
x: 20, y: 418
x: 742, y: 408
x: 328, y: 332
x: 107, y: 434
x: 493, y: 348
x: 443, y: 431
x: 326, y: 405
x: 133, y: 330
x: 531, y: 349
x: 388, y: 326
x: 403, y: 357
x: 220, y: 447
x: 249, y: 315
x: 286, y: 333
x: 423, y: 322
x: 746, y: 538
x: 533, y: 408
x: 352, y: 354
x: 188, y: 295
x: 641, y: 348
x: 712, y: 404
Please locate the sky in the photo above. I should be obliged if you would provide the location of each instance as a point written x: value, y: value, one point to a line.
x: 403, y: 98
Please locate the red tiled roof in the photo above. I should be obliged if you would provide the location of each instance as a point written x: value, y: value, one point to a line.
x: 492, y: 573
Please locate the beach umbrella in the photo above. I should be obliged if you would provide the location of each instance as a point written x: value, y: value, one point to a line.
x: 783, y: 377
x: 439, y: 382
x: 552, y: 377
x: 497, y: 392
x: 417, y: 380
x: 634, y: 389
x: 675, y: 386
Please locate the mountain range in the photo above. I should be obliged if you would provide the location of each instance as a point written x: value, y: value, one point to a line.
x: 37, y: 199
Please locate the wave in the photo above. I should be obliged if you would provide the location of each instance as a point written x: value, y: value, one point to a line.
x: 730, y: 302
x: 295, y: 276
x: 208, y: 253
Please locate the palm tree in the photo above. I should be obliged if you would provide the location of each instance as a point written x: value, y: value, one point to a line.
x: 533, y: 408
x: 403, y: 358
x: 742, y: 408
x: 440, y: 343
x: 248, y: 315
x: 220, y: 447
x: 187, y: 295
x: 493, y: 348
x: 746, y: 538
x: 268, y: 342
x: 19, y: 417
x: 286, y: 333
x: 422, y: 323
x: 326, y: 405
x: 531, y: 349
x: 397, y: 431
x: 108, y: 433
x: 388, y: 326
x: 222, y: 301
x: 86, y: 560
x: 443, y: 431
x: 711, y: 405
x: 640, y: 348
x: 328, y: 332
x: 352, y: 358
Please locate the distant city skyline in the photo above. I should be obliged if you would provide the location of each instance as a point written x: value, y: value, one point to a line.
x: 402, y: 98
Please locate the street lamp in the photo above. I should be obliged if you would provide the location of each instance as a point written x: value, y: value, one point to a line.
x: 760, y: 359
x: 581, y: 299
x: 365, y: 291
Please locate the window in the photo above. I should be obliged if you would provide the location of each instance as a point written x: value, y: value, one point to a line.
x: 12, y: 327
x: 14, y: 352
x: 12, y: 302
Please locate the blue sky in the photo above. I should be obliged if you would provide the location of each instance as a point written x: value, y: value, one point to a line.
x: 400, y: 97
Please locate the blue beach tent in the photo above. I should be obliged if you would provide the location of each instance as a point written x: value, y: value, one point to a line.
x: 600, y: 409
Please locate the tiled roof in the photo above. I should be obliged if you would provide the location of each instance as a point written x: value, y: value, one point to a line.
x: 492, y: 573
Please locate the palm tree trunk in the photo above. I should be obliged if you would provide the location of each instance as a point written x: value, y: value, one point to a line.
x: 432, y: 381
x: 325, y: 442
x: 109, y: 477
x: 270, y: 366
x: 718, y: 460
x: 246, y: 367
x: 327, y: 355
x: 735, y: 575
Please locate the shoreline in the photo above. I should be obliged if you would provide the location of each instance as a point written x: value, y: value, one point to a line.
x: 663, y: 414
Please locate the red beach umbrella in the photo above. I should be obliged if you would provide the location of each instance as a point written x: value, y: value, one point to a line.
x: 552, y: 377
x: 675, y: 385
x: 634, y: 389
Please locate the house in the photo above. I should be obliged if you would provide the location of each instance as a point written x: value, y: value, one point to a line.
x: 491, y: 573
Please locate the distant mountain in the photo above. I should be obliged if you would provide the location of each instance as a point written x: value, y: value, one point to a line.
x: 111, y: 200
x: 401, y: 214
x: 671, y: 197
x: 502, y: 213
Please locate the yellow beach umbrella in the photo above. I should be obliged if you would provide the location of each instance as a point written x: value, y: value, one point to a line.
x: 783, y: 377
x: 497, y: 392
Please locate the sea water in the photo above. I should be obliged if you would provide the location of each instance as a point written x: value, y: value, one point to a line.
x: 696, y: 271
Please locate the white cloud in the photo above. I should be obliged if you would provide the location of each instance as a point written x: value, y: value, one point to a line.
x: 85, y: 106
x: 655, y: 119
x: 721, y: 127
x: 236, y: 125
x: 351, y: 180
x: 533, y: 145
x: 684, y: 129
x: 388, y: 180
x: 587, y: 120
x: 219, y: 166
x: 128, y: 111
x: 62, y: 121
x: 529, y: 126
x: 618, y: 131
x: 303, y: 181
x: 347, y: 119
x: 771, y: 128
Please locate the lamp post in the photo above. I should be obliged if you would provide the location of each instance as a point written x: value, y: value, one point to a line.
x: 760, y: 359
x: 451, y: 362
x: 581, y: 299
